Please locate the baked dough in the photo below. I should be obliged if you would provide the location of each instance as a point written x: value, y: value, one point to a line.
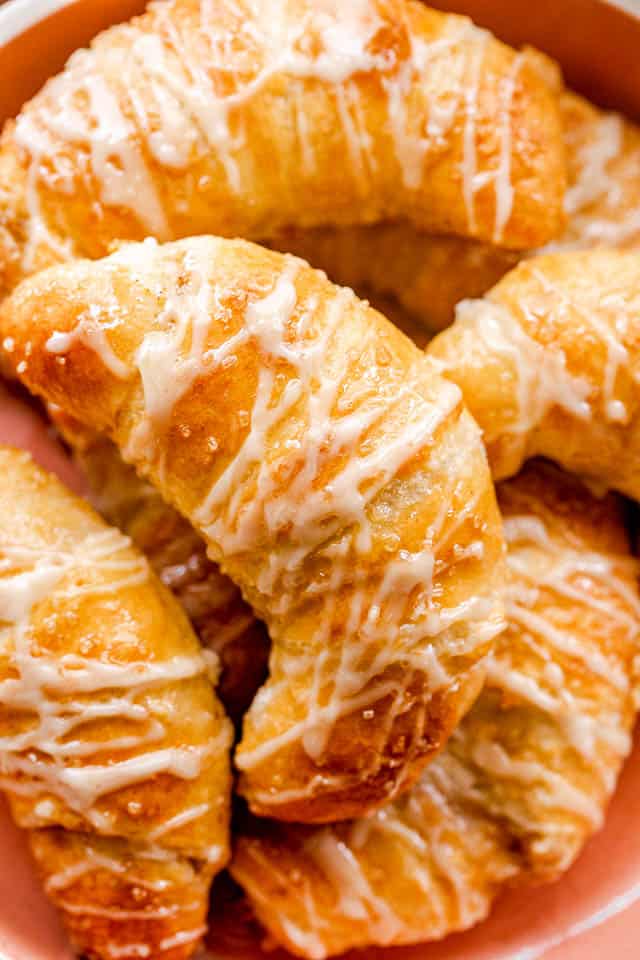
x: 522, y: 783
x: 332, y: 113
x: 338, y: 481
x: 549, y: 365
x: 114, y: 751
x: 427, y: 275
x: 222, y: 620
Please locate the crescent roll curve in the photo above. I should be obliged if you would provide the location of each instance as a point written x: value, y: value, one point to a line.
x: 338, y: 481
x: 222, y: 620
x: 427, y: 275
x: 524, y: 780
x: 121, y: 900
x: 548, y: 362
x: 314, y: 114
x: 113, y: 747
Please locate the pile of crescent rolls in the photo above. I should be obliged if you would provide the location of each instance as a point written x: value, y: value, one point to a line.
x: 354, y: 612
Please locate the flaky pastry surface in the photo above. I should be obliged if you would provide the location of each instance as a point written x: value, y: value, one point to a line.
x: 548, y: 362
x: 114, y: 748
x: 427, y: 275
x: 338, y: 481
x: 241, y: 118
x: 222, y: 620
x: 524, y: 780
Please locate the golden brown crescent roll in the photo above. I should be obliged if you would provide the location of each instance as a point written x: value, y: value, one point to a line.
x: 428, y: 274
x: 114, y: 751
x: 338, y: 481
x: 121, y: 900
x: 223, y: 621
x: 334, y: 113
x: 523, y: 781
x: 602, y: 202
x: 549, y: 365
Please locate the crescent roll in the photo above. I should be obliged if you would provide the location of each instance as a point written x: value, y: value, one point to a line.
x: 337, y: 480
x: 331, y: 113
x: 428, y: 275
x: 549, y: 365
x: 422, y: 274
x: 602, y: 202
x: 114, y: 751
x: 523, y: 781
x: 222, y: 620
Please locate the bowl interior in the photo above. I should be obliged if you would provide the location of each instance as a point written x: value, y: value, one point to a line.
x: 589, y: 910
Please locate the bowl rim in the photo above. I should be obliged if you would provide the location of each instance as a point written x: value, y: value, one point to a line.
x: 618, y: 90
x: 17, y: 16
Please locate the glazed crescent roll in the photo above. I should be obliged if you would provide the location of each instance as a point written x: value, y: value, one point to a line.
x: 549, y: 365
x: 337, y: 480
x: 114, y: 751
x: 310, y: 114
x: 428, y: 275
x: 121, y: 900
x: 602, y: 202
x: 222, y: 620
x: 522, y: 782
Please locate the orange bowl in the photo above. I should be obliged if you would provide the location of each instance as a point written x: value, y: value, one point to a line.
x: 593, y: 910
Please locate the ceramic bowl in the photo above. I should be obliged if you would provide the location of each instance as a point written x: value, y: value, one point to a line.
x: 593, y: 912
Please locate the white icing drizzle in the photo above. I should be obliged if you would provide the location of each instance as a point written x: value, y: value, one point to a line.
x: 603, y: 201
x: 168, y: 369
x: 357, y: 899
x: 426, y: 63
x: 443, y: 830
x: 180, y: 820
x: 48, y: 756
x: 458, y: 55
x: 125, y: 102
x: 551, y: 789
x: 116, y: 913
x: 570, y: 572
x: 470, y: 178
x: 592, y: 724
x: 541, y: 377
x: 331, y: 521
x: 92, y: 334
x: 593, y: 160
x: 432, y: 843
x: 502, y: 181
x: 285, y: 50
x: 131, y: 866
x: 169, y: 95
x: 345, y: 46
x: 94, y: 859
x: 20, y: 592
x: 182, y: 938
x: 138, y: 869
x: 84, y: 112
x: 310, y: 516
x: 308, y: 932
x: 33, y: 138
x: 116, y: 951
x: 608, y: 317
x: 538, y: 367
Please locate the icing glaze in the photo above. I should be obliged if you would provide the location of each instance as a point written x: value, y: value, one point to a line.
x: 148, y: 103
x: 48, y: 756
x: 528, y: 770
